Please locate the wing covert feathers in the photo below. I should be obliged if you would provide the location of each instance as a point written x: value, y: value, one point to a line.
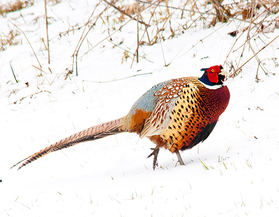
x: 159, y: 119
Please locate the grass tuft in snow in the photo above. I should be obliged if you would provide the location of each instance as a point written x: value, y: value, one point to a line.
x: 205, y: 166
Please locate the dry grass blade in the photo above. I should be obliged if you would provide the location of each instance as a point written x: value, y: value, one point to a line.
x: 138, y: 42
x: 13, y: 72
x: 28, y: 43
x: 123, y: 12
x: 233, y: 75
x: 84, y: 35
x: 204, y: 165
x: 132, y: 76
x: 46, y: 18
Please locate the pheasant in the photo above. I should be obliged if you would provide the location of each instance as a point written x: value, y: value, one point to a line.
x: 176, y: 114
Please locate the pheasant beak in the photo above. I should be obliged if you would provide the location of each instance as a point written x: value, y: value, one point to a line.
x: 223, y: 72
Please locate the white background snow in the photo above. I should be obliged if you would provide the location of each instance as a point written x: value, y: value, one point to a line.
x: 112, y: 176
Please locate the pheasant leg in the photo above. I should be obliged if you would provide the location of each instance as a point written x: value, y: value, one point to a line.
x: 179, y: 158
x: 155, y: 152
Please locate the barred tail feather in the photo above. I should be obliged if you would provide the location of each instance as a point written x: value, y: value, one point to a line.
x: 92, y: 133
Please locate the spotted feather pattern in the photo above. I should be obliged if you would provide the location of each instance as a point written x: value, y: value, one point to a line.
x: 159, y: 118
x: 184, y: 109
x: 186, y: 119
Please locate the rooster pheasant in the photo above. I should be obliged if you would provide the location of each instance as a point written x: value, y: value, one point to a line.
x: 176, y: 114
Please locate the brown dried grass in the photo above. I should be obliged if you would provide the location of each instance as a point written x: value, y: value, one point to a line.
x: 8, y: 40
x: 18, y: 5
x: 158, y: 20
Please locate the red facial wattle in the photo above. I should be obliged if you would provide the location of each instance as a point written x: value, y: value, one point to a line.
x: 213, y: 77
x: 212, y: 73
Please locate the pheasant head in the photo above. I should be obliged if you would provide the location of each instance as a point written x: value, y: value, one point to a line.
x: 213, y: 76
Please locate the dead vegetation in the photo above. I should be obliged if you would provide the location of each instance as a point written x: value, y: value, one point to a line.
x: 15, y: 6
x: 9, y: 40
x: 160, y: 20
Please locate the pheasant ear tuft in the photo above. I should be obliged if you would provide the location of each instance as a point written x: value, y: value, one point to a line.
x: 204, y: 69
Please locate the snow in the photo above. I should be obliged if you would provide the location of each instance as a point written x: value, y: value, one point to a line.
x: 112, y: 176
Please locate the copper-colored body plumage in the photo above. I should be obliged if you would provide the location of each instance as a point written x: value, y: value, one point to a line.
x: 176, y: 114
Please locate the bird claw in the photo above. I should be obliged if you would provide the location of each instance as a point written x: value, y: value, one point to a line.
x: 155, y: 152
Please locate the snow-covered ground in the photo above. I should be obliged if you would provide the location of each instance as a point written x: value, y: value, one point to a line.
x: 112, y: 176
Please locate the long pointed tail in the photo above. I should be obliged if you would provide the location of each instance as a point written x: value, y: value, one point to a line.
x: 92, y: 133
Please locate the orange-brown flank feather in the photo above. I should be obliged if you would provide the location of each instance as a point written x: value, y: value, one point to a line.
x: 137, y: 121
